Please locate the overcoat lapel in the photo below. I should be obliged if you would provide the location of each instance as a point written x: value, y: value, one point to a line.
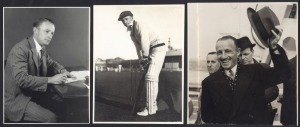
x: 244, y: 79
x: 222, y: 87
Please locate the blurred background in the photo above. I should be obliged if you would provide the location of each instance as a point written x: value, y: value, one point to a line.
x: 70, y: 43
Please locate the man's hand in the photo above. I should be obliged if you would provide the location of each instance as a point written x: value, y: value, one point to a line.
x: 145, y: 61
x: 69, y: 75
x: 57, y: 79
x: 274, y: 40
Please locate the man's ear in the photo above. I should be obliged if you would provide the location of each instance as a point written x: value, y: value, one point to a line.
x: 238, y: 51
x: 34, y: 30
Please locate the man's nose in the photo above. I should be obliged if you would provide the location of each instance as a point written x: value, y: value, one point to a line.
x: 243, y: 57
x: 209, y: 64
x: 224, y: 55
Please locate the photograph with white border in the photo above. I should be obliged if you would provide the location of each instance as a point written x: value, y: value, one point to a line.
x: 273, y: 102
x: 46, y: 63
x: 138, y: 64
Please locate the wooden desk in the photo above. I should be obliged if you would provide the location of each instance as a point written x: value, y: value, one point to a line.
x: 76, y: 97
x: 72, y: 90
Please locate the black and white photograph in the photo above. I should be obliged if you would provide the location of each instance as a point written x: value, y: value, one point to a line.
x: 138, y: 64
x: 242, y: 63
x: 46, y: 65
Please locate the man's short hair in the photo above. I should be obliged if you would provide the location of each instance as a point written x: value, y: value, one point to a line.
x: 212, y: 53
x: 228, y: 37
x: 39, y: 21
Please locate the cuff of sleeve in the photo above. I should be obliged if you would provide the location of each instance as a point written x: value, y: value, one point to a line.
x: 272, y: 50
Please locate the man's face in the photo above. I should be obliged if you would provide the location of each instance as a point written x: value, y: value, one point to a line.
x: 44, y: 33
x: 227, y: 53
x: 212, y: 63
x: 246, y: 56
x: 127, y: 20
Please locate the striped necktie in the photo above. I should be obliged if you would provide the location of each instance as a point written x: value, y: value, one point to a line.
x: 41, y: 57
x: 231, y: 74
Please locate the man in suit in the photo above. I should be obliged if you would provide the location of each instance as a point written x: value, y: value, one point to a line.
x: 235, y: 93
x: 151, y: 52
x: 26, y: 80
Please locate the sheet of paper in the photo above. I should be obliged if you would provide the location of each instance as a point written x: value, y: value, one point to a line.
x: 80, y: 75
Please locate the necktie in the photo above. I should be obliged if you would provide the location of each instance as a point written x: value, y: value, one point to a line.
x: 41, y: 57
x: 42, y: 52
x: 231, y: 74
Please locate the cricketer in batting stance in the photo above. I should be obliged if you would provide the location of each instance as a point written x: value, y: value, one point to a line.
x: 151, y: 52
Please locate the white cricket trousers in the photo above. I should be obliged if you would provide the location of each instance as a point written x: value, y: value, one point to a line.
x: 152, y: 78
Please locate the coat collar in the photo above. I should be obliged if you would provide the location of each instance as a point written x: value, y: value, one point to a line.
x: 220, y: 84
x: 33, y: 50
x: 35, y: 56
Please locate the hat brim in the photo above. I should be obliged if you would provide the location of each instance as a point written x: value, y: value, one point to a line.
x: 262, y: 42
x: 252, y: 45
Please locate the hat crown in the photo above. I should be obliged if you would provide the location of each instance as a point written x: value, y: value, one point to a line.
x: 263, y: 22
x: 124, y: 14
x: 244, y: 43
x: 268, y: 18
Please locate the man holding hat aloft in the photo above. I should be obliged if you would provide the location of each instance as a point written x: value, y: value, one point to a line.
x: 151, y: 52
x: 235, y: 93
x: 246, y: 57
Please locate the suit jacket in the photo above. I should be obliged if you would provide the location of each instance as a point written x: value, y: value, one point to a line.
x: 246, y: 104
x: 23, y: 77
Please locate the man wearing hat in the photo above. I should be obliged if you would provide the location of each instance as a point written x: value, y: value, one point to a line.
x: 151, y: 52
x: 246, y: 57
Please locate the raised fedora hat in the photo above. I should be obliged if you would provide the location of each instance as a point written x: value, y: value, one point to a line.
x: 244, y: 43
x: 124, y: 14
x: 262, y: 22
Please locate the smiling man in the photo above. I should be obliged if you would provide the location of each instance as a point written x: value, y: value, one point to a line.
x: 151, y: 52
x: 26, y: 80
x: 235, y: 93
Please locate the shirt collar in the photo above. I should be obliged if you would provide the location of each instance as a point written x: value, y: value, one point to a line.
x: 234, y: 68
x: 252, y: 61
x: 37, y: 45
x: 131, y: 24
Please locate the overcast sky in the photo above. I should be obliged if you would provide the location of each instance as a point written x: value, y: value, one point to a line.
x: 112, y: 40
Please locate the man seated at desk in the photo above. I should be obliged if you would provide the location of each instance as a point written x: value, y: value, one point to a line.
x: 26, y: 81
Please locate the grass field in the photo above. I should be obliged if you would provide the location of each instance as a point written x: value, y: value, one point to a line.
x: 120, y: 88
